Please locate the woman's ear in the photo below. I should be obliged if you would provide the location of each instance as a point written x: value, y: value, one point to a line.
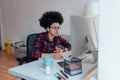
x: 47, y: 29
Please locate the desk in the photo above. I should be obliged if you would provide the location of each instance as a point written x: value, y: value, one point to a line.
x: 35, y: 71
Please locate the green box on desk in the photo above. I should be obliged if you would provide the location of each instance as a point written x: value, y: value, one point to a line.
x: 73, y: 67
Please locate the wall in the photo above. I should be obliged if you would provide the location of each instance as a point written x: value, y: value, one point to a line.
x: 0, y: 25
x: 0, y: 28
x: 20, y: 17
x: 1, y: 31
x: 109, y: 43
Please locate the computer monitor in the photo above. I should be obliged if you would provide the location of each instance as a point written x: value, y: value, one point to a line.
x: 80, y: 28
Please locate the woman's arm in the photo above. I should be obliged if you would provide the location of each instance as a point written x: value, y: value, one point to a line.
x: 54, y: 55
x: 65, y: 44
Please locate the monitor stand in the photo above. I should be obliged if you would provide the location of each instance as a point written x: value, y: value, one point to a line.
x: 91, y: 53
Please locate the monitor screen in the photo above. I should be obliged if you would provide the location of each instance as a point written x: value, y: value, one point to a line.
x: 79, y: 28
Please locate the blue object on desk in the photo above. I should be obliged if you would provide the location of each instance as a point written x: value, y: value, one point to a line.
x: 48, y: 61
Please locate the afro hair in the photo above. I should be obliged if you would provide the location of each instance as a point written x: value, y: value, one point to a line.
x: 48, y: 18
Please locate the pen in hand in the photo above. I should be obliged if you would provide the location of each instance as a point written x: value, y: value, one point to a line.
x: 57, y: 52
x: 64, y: 74
x: 57, y: 49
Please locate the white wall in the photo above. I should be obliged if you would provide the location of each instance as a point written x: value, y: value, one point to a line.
x: 0, y: 28
x: 0, y: 24
x: 109, y: 43
x: 20, y: 17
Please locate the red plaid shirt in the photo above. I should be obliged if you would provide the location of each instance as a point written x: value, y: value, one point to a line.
x: 44, y: 45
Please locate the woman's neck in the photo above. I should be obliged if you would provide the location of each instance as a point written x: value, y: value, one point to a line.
x: 50, y: 37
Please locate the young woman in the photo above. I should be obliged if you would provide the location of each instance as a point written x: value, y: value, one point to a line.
x: 50, y: 43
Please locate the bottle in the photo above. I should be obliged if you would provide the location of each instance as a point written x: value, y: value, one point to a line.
x: 47, y: 70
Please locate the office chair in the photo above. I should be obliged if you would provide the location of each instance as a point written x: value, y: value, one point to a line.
x: 30, y: 40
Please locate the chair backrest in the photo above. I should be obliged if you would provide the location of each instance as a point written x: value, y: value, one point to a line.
x: 30, y: 41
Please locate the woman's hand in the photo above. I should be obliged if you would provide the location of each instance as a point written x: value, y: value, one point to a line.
x: 57, y: 56
x: 58, y: 50
x: 54, y: 55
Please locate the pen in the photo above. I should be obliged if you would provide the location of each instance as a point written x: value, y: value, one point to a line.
x: 57, y: 49
x: 55, y: 75
x: 69, y: 56
x: 61, y: 76
x: 64, y: 74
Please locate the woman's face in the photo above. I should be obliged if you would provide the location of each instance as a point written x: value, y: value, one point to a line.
x: 54, y: 29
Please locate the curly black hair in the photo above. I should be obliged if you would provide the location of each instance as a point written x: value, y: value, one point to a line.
x: 48, y: 18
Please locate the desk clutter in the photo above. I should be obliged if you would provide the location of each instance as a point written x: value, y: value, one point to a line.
x: 61, y: 75
x: 72, y: 67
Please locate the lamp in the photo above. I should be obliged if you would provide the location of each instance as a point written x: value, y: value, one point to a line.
x: 91, y: 10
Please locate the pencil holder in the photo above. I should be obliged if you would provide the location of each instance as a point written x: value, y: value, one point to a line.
x: 73, y: 66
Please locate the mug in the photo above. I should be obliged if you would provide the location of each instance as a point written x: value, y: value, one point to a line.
x: 48, y: 61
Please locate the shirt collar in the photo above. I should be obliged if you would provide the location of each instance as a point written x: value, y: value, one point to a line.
x: 47, y: 38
